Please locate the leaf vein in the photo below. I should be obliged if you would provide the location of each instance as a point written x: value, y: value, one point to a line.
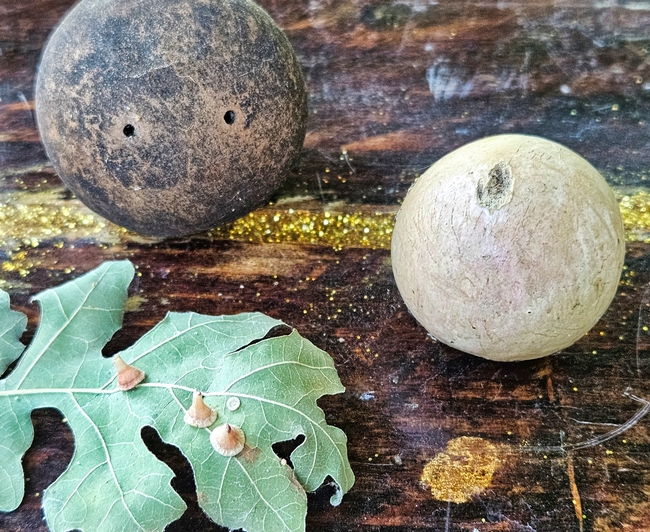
x: 169, y: 340
x: 108, y: 460
x: 276, y: 364
x: 295, y: 410
x: 83, y: 479
x: 259, y: 493
x: 61, y: 329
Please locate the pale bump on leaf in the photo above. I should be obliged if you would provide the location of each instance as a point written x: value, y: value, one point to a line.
x: 113, y: 482
x: 284, y: 412
x: 277, y: 381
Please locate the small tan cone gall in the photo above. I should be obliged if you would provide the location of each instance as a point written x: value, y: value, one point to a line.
x: 199, y: 414
x: 128, y: 376
x: 228, y: 440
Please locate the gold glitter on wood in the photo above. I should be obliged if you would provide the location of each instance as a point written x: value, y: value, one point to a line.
x: 463, y: 470
x: 325, y: 228
x: 30, y: 220
x: 635, y: 209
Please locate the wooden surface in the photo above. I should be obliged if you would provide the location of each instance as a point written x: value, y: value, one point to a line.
x: 393, y: 86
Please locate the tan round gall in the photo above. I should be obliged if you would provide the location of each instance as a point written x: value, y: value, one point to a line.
x: 509, y: 248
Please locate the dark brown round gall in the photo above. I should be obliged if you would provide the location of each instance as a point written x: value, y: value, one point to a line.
x: 169, y: 117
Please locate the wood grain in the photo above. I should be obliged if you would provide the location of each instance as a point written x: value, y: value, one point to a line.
x: 393, y: 86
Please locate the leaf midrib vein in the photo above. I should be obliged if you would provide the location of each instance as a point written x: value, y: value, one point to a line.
x: 188, y: 389
x: 255, y: 398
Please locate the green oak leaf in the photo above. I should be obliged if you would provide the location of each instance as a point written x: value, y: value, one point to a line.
x: 12, y: 325
x: 268, y: 386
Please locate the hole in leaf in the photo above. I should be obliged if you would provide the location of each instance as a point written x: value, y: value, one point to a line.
x: 132, y: 329
x: 275, y: 332
x: 229, y: 117
x: 129, y: 130
x: 320, y: 499
x: 30, y: 331
x: 25, y: 338
x: 9, y: 369
x: 120, y: 341
x: 284, y: 448
x: 183, y: 483
x: 46, y: 459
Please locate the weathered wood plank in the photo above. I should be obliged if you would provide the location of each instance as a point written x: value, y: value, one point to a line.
x: 393, y: 86
x: 407, y: 396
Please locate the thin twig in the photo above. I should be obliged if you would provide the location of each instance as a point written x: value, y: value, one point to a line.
x: 597, y: 440
x: 644, y: 303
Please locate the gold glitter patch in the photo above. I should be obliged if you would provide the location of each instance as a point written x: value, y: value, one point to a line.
x: 463, y: 470
x: 134, y: 303
x: 29, y: 219
x: 636, y: 216
x: 33, y: 220
x: 336, y: 229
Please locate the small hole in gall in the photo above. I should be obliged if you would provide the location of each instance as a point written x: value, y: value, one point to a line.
x: 128, y: 130
x: 229, y: 117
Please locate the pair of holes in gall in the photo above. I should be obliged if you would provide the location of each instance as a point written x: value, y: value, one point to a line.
x: 228, y: 118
